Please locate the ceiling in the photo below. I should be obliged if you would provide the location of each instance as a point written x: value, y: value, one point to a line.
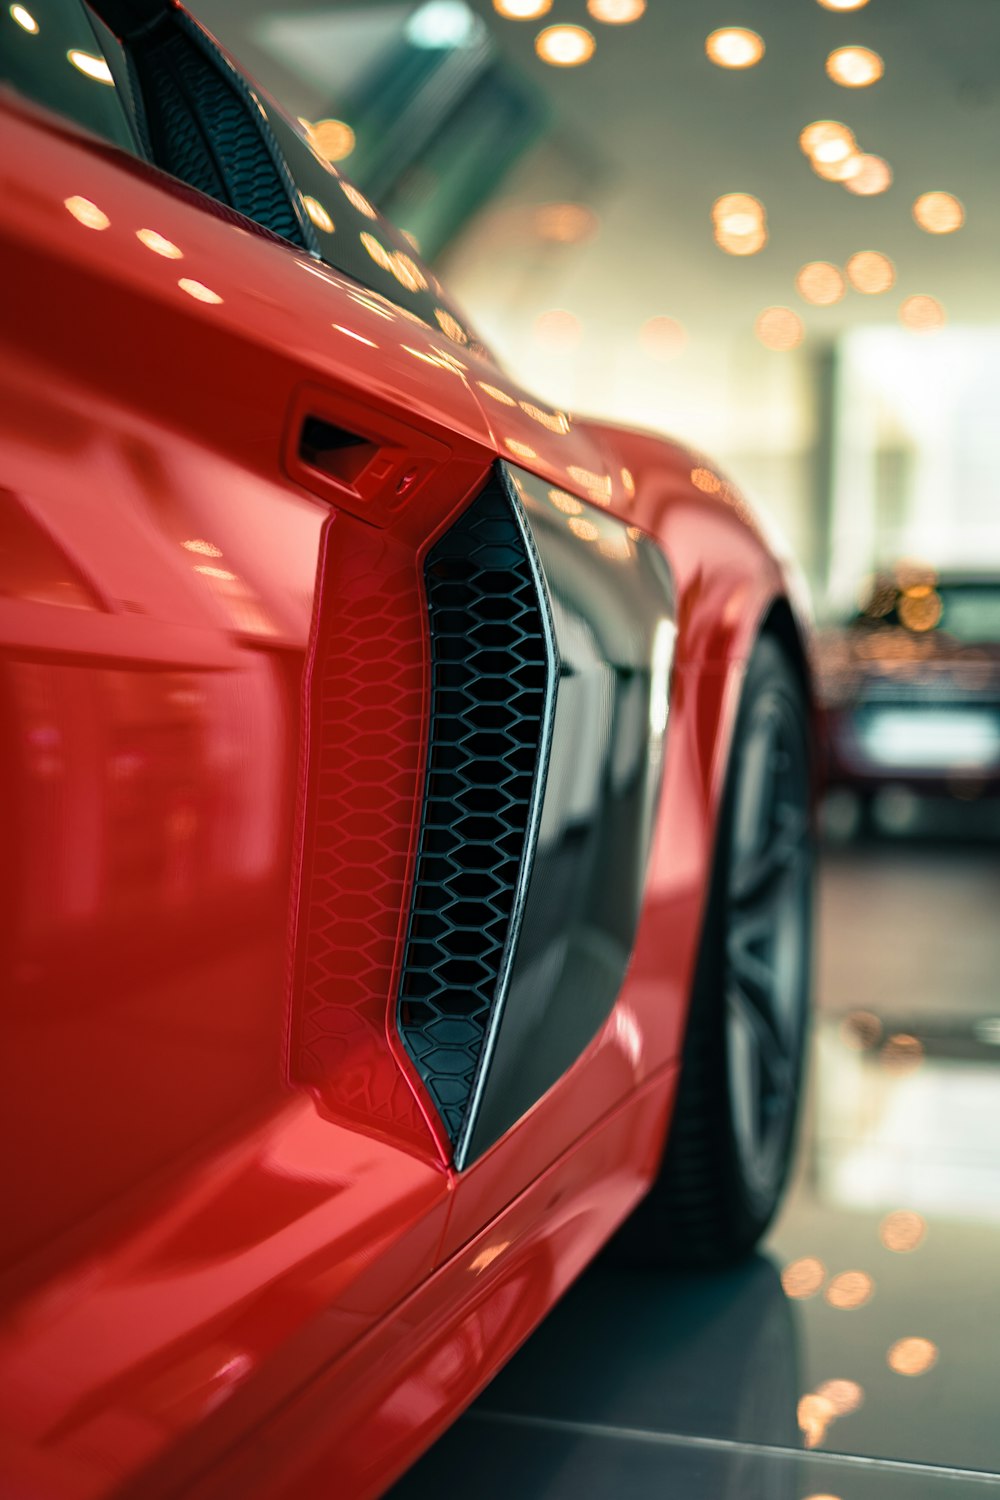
x: 674, y: 132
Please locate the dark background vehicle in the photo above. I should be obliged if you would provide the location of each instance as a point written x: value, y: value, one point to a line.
x: 910, y: 686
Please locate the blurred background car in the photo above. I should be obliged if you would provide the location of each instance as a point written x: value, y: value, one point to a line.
x: 909, y: 689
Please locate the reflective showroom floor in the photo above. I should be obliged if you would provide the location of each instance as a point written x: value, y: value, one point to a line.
x: 858, y: 1356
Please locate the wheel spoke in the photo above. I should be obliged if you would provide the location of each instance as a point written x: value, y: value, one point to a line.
x: 754, y: 879
x: 773, y: 1066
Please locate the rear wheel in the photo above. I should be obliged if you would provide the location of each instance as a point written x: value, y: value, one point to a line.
x: 734, y: 1121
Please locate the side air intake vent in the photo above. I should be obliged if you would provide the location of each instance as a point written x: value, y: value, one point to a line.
x: 492, y: 663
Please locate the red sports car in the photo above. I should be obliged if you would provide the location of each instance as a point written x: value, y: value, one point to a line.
x: 407, y: 806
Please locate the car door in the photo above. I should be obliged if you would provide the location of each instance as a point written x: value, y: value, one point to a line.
x: 196, y: 1187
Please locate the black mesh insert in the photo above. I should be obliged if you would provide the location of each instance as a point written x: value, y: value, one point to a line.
x: 207, y: 129
x: 489, y: 664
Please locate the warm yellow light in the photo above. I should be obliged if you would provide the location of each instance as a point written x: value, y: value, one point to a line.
x: 332, y: 139
x: 814, y: 1414
x: 939, y: 213
x: 912, y: 1356
x: 820, y: 282
x: 553, y: 421
x: 203, y: 548
x: 703, y: 479
x: 920, y: 609
x: 317, y: 213
x: 738, y: 213
x: 558, y: 329
x: 828, y: 141
x: 873, y: 176
x: 616, y: 12
x: 496, y: 394
x: 902, y: 1052
x: 520, y: 450
x: 734, y: 47
x: 565, y: 223
x: 568, y: 504
x: 803, y: 1278
x: 450, y: 326
x: 871, y: 272
x: 198, y: 291
x: 24, y: 19
x: 352, y: 335
x: 86, y: 213
x: 849, y: 1290
x: 843, y: 1395
x: 922, y: 314
x: 91, y: 66
x: 842, y: 4
x: 158, y: 244
x: 565, y: 46
x: 779, y: 328
x: 854, y: 67
x: 741, y: 244
x: 379, y: 254
x: 843, y: 170
x: 740, y: 223
x: 223, y: 574
x: 902, y: 1231
x: 357, y: 200
x: 585, y: 530
x: 663, y: 338
x: 522, y: 10
x: 407, y: 272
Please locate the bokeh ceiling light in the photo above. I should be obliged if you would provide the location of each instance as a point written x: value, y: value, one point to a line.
x: 734, y: 47
x: 742, y: 244
x: 912, y: 1356
x: 831, y: 139
x: 663, y: 338
x: 737, y: 212
x: 843, y: 170
x: 871, y: 272
x: 333, y: 139
x: 939, y: 213
x: 522, y: 10
x: 565, y: 46
x: 820, y: 283
x: 854, y: 67
x: 24, y: 19
x: 558, y: 330
x: 90, y: 66
x: 616, y: 12
x: 873, y: 176
x: 842, y: 4
x: 922, y: 314
x: 779, y: 328
x: 739, y: 223
x: 565, y: 223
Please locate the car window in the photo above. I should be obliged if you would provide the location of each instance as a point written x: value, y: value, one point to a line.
x: 355, y: 239
x: 50, y: 53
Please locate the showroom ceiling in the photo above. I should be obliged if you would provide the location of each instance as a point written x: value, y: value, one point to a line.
x: 674, y: 132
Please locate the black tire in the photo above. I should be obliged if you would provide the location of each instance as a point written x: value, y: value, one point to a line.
x: 733, y: 1128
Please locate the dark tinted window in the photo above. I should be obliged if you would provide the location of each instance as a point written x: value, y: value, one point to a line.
x: 49, y: 52
x: 355, y: 239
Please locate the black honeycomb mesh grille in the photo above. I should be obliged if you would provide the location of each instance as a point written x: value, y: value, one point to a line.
x: 205, y: 129
x: 489, y: 666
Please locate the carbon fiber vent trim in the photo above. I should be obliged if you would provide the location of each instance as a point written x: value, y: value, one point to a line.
x: 493, y: 672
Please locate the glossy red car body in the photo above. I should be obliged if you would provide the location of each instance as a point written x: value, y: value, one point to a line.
x: 237, y: 1257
